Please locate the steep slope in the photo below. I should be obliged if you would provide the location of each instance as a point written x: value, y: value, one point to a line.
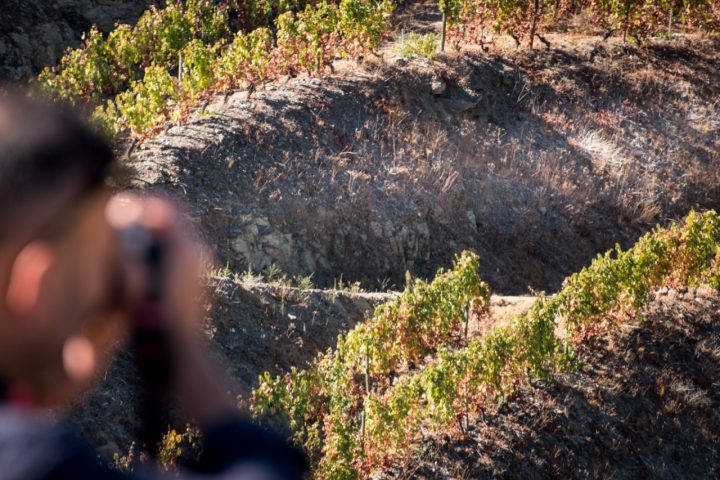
x: 535, y: 160
x: 253, y: 328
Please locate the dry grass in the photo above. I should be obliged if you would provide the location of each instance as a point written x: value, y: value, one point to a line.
x: 535, y: 160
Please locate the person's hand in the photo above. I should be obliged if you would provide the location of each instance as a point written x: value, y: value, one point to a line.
x: 198, y: 384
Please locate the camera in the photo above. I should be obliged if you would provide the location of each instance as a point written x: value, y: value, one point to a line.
x: 150, y: 342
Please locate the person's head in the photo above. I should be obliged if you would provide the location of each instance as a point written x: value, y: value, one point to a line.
x: 55, y: 259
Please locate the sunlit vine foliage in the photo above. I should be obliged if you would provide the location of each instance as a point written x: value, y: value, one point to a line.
x: 137, y: 77
x: 323, y: 404
x: 405, y: 374
x: 637, y: 20
x: 121, y: 75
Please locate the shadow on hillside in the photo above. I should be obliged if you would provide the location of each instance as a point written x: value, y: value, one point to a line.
x: 536, y: 161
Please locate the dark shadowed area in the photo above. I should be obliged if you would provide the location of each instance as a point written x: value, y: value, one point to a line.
x: 35, y: 33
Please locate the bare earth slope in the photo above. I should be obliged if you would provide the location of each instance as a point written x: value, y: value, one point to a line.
x: 535, y: 160
x: 644, y: 404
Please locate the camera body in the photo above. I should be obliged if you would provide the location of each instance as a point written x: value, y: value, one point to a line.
x: 150, y: 341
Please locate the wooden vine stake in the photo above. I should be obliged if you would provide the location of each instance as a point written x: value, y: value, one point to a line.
x: 466, y: 416
x: 180, y: 68
x: 533, y: 25
x: 363, y: 415
x: 444, y: 25
x: 467, y: 319
x: 367, y: 371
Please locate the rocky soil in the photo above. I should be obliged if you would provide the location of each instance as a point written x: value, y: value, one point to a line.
x: 644, y: 404
x: 537, y: 160
x: 35, y: 33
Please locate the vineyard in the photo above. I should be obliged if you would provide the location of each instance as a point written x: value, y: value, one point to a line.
x: 130, y: 74
x: 410, y: 372
x: 536, y: 159
x: 137, y: 78
x: 525, y: 21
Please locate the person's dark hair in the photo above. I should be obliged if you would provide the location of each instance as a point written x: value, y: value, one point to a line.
x: 42, y: 146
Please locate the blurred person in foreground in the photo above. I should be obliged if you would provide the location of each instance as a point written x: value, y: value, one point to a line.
x: 69, y: 294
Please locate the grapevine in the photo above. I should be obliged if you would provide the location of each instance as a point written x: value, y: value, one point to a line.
x: 194, y: 38
x: 323, y: 404
x: 524, y: 20
x: 423, y: 378
x: 122, y: 77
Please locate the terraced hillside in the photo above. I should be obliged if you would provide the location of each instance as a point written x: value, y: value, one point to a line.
x: 644, y: 404
x: 35, y: 33
x: 299, y: 178
x: 537, y: 161
x: 313, y: 191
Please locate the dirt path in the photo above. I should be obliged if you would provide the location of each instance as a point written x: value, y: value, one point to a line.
x: 420, y: 17
x: 503, y: 309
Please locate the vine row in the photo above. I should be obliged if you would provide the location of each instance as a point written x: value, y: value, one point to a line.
x: 356, y: 409
x: 323, y: 405
x: 137, y: 78
x: 526, y: 20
